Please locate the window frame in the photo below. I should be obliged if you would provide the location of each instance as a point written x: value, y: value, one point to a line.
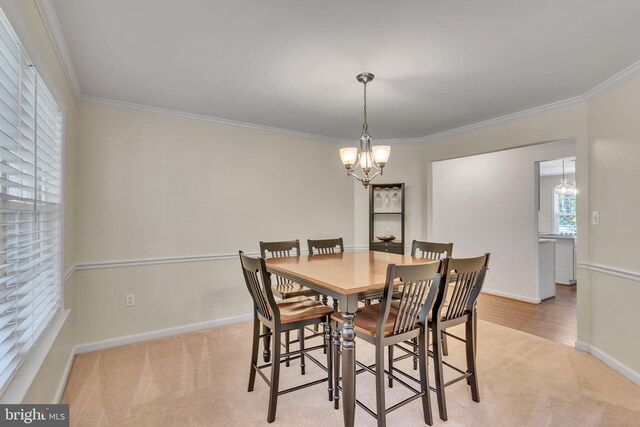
x: 17, y: 383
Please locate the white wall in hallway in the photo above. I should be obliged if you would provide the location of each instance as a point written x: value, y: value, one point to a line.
x: 487, y: 203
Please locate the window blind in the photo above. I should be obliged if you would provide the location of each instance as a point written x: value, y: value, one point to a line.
x: 30, y: 204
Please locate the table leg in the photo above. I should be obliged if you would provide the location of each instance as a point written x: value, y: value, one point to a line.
x: 348, y: 368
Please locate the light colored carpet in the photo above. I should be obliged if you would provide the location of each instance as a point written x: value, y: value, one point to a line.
x: 200, y: 379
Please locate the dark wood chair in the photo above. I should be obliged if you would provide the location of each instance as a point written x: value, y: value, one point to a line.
x: 392, y: 322
x: 284, y: 288
x: 432, y: 250
x: 278, y: 317
x: 325, y: 246
x: 466, y: 275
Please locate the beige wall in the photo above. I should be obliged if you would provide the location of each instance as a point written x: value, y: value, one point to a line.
x: 155, y: 187
x: 614, y: 139
x: 405, y: 166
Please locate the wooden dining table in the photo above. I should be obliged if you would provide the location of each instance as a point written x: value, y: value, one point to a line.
x: 349, y: 277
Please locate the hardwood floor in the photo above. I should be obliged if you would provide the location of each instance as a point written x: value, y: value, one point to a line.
x: 554, y: 319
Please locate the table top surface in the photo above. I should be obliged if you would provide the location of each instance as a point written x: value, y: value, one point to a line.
x: 345, y: 273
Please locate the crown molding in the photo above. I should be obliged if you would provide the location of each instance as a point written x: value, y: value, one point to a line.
x: 51, y: 23
x: 554, y: 106
x: 106, y: 102
x: 613, y: 82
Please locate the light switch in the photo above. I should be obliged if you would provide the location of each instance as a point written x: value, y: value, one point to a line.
x: 595, y: 218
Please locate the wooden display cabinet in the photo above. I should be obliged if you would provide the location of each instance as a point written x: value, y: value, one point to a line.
x: 386, y: 217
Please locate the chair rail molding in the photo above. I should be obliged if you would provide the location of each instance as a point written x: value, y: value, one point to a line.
x: 612, y: 271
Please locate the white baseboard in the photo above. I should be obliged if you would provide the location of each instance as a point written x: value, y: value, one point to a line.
x: 512, y: 296
x: 159, y: 333
x: 65, y: 376
x: 614, y: 364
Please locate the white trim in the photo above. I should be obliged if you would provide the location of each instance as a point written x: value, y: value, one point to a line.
x: 68, y: 272
x: 97, y: 265
x: 159, y: 333
x: 612, y: 271
x: 20, y: 383
x: 205, y: 118
x: 558, y: 105
x: 14, y: 14
x: 52, y: 24
x: 582, y: 346
x: 614, y: 364
x: 65, y: 376
x: 512, y: 296
x: 613, y: 82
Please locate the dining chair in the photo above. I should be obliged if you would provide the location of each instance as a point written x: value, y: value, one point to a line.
x: 323, y: 247
x: 281, y: 316
x: 284, y: 288
x: 464, y: 278
x: 432, y: 250
x: 391, y: 323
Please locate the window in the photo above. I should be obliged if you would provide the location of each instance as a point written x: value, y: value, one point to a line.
x: 565, y: 213
x: 30, y: 204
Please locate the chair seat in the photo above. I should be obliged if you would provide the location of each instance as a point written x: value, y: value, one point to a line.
x: 300, y: 308
x: 290, y: 290
x: 367, y: 318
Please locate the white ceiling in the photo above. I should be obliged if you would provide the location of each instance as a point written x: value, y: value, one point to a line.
x: 554, y: 167
x: 291, y: 64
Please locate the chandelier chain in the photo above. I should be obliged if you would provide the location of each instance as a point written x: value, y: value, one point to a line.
x: 365, y: 126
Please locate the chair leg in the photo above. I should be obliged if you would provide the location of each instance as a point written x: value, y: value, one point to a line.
x: 286, y: 347
x: 254, y: 352
x: 335, y: 305
x: 275, y: 376
x: 336, y: 367
x: 424, y: 377
x: 445, y: 345
x: 471, y: 360
x: 439, y: 371
x: 390, y: 353
x: 380, y: 405
x: 415, y: 359
x: 301, y: 341
x: 327, y: 344
x: 266, y: 354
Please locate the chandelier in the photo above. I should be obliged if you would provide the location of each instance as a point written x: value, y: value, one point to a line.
x: 365, y: 157
x: 563, y: 188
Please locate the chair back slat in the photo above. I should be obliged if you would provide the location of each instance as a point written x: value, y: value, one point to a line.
x: 280, y: 250
x: 259, y: 285
x: 431, y: 250
x: 325, y: 246
x: 466, y: 276
x: 420, y: 285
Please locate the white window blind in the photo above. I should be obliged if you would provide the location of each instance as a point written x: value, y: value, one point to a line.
x: 30, y: 204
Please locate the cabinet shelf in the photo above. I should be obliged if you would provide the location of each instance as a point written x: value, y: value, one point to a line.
x: 388, y: 222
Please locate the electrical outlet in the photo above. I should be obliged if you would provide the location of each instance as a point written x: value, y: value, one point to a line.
x: 131, y: 300
x: 595, y: 218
